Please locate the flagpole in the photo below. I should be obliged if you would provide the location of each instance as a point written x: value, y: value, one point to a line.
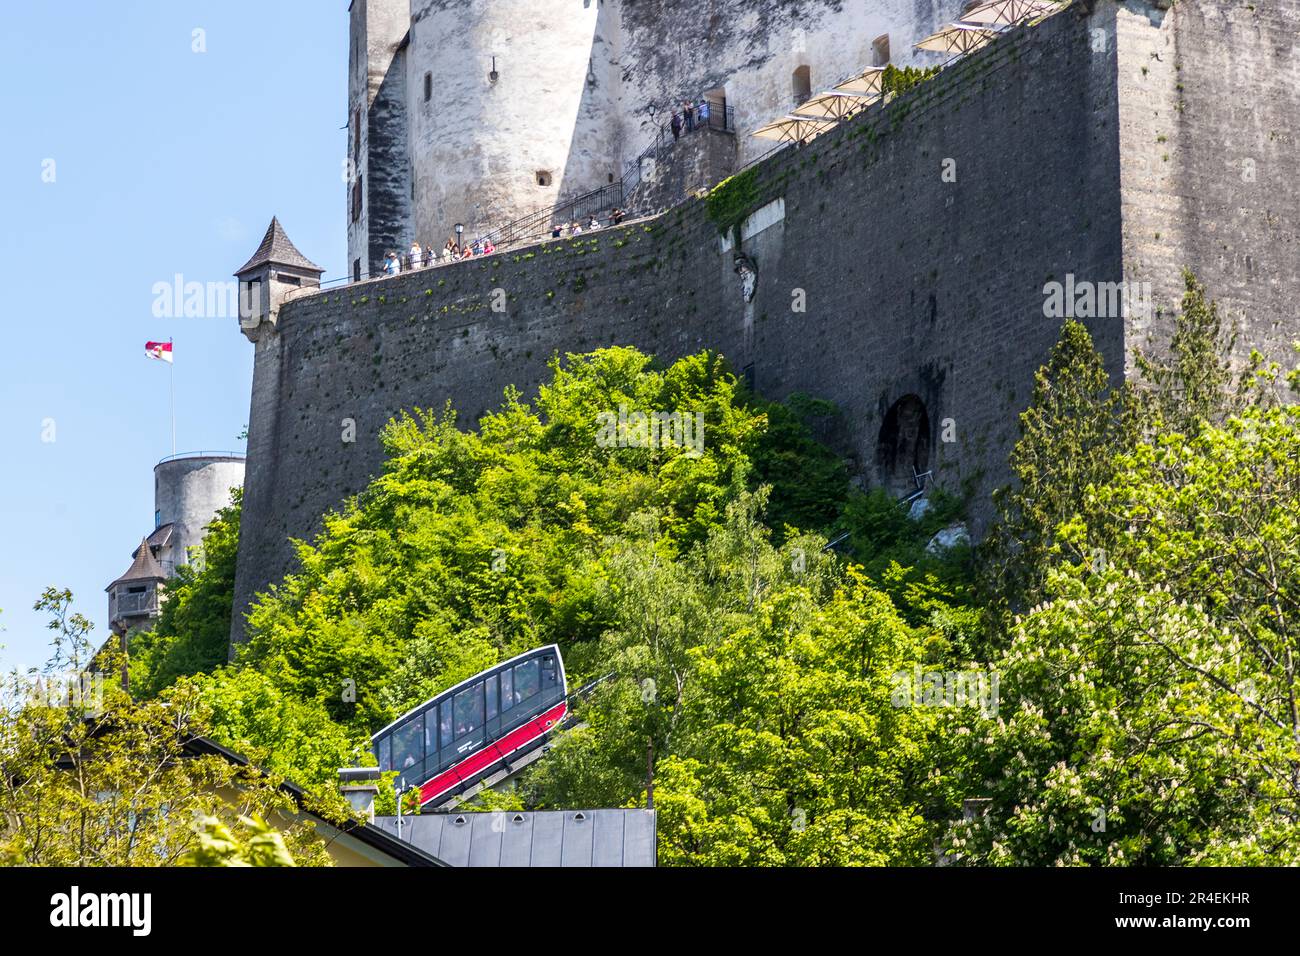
x: 171, y: 387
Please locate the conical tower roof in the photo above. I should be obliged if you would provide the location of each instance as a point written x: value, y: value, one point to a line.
x: 145, y: 567
x: 277, y: 249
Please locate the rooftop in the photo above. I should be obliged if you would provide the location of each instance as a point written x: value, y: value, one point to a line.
x: 145, y: 567
x: 573, y: 838
x: 277, y: 249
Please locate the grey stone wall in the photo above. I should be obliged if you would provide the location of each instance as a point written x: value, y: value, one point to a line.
x: 1210, y: 126
x: 698, y: 160
x: 910, y: 284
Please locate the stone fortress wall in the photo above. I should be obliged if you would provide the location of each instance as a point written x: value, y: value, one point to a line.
x: 580, y: 87
x: 923, y: 293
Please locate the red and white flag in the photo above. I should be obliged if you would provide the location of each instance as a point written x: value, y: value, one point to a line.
x: 158, y: 350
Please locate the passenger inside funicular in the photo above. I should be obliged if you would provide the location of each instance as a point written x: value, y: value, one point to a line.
x: 408, y: 745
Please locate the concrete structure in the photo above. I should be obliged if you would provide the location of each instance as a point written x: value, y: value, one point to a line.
x: 899, y: 266
x: 481, y: 112
x: 189, y: 490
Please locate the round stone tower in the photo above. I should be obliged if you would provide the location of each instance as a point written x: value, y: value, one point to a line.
x: 478, y: 113
x: 189, y: 489
x: 518, y: 113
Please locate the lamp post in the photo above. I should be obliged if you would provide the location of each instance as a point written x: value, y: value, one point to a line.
x: 460, y: 230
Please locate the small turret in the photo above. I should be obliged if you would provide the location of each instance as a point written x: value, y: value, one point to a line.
x: 133, y: 598
x: 276, y: 269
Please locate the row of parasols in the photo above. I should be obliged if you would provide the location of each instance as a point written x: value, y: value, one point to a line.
x: 977, y: 26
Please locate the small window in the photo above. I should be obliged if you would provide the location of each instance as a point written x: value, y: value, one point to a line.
x: 507, y: 690
x: 444, y: 732
x: 880, y: 50
x: 491, y: 687
x: 548, y: 672
x: 543, y: 177
x: 428, y: 87
x: 356, y: 270
x: 526, y: 680
x: 157, y: 518
x: 469, y: 710
x: 289, y: 280
x: 356, y: 199
x: 356, y: 136
x: 801, y: 83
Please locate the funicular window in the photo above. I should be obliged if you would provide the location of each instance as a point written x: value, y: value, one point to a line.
x: 490, y: 688
x: 445, y: 733
x: 384, y: 753
x: 548, y: 672
x: 430, y: 732
x: 507, y: 689
x: 408, y: 744
x: 469, y: 710
x: 526, y: 680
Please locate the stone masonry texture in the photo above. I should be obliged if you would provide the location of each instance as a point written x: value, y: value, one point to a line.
x: 913, y: 285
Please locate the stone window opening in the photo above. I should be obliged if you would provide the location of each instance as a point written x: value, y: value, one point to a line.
x: 543, y: 177
x: 880, y: 50
x: 428, y: 87
x: 801, y: 83
x: 903, y: 447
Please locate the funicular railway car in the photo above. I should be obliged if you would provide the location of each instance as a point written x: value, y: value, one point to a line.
x: 454, y: 740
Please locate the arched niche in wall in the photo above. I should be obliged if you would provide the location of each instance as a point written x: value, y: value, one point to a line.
x: 801, y: 83
x: 903, y: 447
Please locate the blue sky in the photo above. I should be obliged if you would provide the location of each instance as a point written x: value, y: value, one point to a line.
x: 166, y: 161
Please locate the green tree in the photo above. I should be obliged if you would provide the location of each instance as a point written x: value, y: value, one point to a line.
x: 100, y: 779
x: 192, y: 634
x: 219, y: 846
x: 1068, y: 435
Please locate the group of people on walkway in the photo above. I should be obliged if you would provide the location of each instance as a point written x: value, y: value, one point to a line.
x: 422, y: 257
x: 563, y: 230
x: 690, y: 115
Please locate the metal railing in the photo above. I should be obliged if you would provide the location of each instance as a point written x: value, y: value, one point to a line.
x: 540, y: 224
x: 133, y: 605
x: 203, y: 454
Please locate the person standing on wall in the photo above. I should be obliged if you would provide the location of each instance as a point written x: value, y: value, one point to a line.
x: 676, y: 126
x: 704, y: 112
x: 689, y: 111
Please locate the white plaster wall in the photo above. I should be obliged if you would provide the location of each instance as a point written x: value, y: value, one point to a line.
x: 476, y: 146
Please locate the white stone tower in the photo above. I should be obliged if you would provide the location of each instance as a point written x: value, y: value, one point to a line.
x: 462, y: 111
x: 189, y: 490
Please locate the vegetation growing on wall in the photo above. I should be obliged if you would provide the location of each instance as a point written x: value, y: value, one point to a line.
x: 898, y: 81
x: 733, y: 199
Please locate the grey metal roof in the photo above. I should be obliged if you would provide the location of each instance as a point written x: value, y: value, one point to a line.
x: 161, y: 536
x: 533, y: 838
x: 145, y: 567
x: 276, y: 249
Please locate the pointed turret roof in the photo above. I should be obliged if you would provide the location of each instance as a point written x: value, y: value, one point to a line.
x: 145, y: 567
x: 277, y: 249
